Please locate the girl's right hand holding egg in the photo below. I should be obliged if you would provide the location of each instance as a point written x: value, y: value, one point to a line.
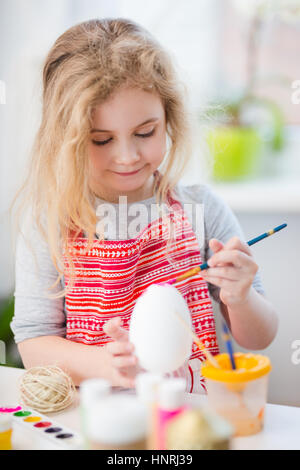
x: 121, y: 364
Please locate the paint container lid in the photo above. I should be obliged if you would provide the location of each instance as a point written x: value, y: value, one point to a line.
x: 118, y: 420
x: 147, y: 386
x: 171, y: 393
x: 5, y: 422
x: 92, y: 390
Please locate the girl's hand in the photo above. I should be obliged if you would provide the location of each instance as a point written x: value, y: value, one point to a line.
x: 232, y: 268
x: 122, y: 365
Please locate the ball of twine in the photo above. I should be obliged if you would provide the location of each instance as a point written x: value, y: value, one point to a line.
x: 46, y: 389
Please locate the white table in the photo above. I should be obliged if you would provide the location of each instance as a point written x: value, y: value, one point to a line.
x: 281, y: 431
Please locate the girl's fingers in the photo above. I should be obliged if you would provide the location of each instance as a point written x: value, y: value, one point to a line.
x: 126, y: 382
x: 233, y: 287
x: 224, y: 272
x: 215, y: 245
x: 221, y: 282
x: 112, y: 328
x: 235, y: 257
x: 235, y: 243
x: 124, y: 361
x: 121, y: 379
x: 120, y: 347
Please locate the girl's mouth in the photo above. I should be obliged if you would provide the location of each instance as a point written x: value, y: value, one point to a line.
x: 128, y: 174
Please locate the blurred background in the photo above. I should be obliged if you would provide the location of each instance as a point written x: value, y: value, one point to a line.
x: 240, y: 60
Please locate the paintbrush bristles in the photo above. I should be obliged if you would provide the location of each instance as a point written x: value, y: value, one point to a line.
x: 189, y: 273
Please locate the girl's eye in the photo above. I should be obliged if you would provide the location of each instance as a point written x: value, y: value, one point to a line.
x: 146, y: 135
x: 103, y: 142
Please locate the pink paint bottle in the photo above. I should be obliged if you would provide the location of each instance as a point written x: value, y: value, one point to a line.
x: 171, y: 393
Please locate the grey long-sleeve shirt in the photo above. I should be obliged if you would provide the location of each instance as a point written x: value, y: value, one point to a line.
x: 36, y: 315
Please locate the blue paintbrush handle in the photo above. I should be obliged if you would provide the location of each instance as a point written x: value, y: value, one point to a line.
x: 227, y: 340
x: 266, y: 234
x: 254, y: 240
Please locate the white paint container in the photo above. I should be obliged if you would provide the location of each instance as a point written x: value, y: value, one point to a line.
x: 119, y: 422
x: 92, y: 392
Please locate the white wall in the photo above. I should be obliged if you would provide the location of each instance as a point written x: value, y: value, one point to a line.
x: 27, y: 31
x: 189, y: 31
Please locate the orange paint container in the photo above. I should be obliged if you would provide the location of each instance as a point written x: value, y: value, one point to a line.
x: 239, y: 395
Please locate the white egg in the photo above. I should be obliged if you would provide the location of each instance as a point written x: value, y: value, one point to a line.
x: 162, y: 343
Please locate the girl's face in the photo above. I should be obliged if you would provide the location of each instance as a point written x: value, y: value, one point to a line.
x: 127, y: 144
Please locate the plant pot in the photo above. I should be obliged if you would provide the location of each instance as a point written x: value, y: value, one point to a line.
x: 236, y: 152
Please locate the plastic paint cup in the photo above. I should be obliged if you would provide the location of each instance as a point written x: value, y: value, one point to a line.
x: 239, y: 395
x: 119, y: 422
x: 92, y: 391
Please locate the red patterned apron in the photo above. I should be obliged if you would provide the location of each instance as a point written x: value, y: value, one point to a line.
x: 114, y: 273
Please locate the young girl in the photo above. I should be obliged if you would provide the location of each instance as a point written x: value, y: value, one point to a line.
x: 115, y: 124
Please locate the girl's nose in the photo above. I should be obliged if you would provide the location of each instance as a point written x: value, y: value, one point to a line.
x: 126, y: 154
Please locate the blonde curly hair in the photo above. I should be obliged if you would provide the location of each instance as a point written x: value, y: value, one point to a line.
x: 85, y: 66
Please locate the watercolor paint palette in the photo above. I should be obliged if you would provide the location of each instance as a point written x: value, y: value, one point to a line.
x: 46, y: 431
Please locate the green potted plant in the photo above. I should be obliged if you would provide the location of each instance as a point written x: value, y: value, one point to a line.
x: 12, y: 358
x: 237, y: 144
x: 238, y: 138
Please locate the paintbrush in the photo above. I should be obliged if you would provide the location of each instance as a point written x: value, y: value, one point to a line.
x: 203, y: 266
x: 199, y: 343
x: 228, y: 343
